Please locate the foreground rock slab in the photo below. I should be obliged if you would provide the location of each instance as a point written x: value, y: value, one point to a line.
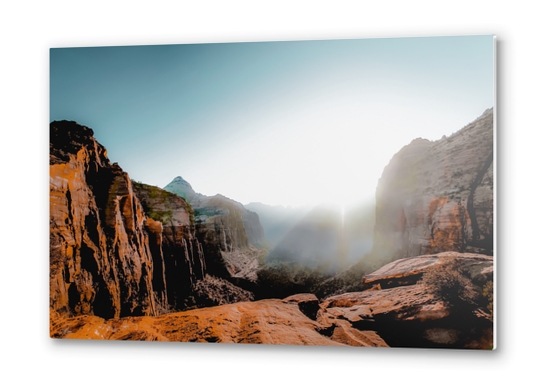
x: 408, y: 271
x: 262, y: 322
x: 399, y: 305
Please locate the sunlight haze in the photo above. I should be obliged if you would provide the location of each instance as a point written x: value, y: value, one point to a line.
x: 282, y: 123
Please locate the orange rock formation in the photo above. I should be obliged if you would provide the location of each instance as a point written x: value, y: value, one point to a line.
x: 106, y: 254
x: 261, y: 322
x: 405, y: 316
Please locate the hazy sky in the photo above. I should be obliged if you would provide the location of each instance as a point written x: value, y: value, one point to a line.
x: 288, y: 123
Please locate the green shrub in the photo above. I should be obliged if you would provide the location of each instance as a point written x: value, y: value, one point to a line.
x: 164, y: 217
x: 448, y: 282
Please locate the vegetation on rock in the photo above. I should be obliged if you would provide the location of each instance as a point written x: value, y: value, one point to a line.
x: 447, y: 281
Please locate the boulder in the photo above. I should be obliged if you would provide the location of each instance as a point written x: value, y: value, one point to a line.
x: 307, y: 303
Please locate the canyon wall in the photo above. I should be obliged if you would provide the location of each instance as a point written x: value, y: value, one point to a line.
x: 121, y: 248
x: 437, y: 196
x: 231, y: 235
x: 243, y: 225
x: 171, y: 223
x: 100, y: 249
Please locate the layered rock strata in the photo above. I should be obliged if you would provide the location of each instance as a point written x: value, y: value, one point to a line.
x: 183, y: 257
x: 100, y: 249
x: 230, y: 234
x: 242, y: 225
x: 120, y: 248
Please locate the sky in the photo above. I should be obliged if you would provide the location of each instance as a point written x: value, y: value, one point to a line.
x: 283, y: 123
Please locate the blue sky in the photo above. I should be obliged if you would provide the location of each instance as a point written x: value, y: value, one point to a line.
x: 288, y: 123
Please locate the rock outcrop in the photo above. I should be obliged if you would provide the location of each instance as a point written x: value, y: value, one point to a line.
x: 230, y: 234
x: 261, y: 322
x: 404, y: 312
x: 121, y: 248
x: 100, y: 245
x: 183, y: 257
x: 243, y: 225
x: 437, y: 196
x: 409, y: 271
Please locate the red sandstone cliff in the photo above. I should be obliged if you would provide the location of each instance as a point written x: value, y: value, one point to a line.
x: 437, y: 196
x: 100, y: 258
x: 171, y: 228
x: 120, y: 248
x: 230, y: 234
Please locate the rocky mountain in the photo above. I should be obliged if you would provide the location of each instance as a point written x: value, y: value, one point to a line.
x: 181, y: 187
x: 437, y: 196
x: 231, y: 235
x: 395, y: 310
x: 119, y: 248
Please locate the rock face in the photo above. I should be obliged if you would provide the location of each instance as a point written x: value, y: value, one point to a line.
x: 120, y: 248
x: 100, y: 249
x: 230, y: 234
x: 182, y: 253
x: 437, y: 196
x: 244, y: 225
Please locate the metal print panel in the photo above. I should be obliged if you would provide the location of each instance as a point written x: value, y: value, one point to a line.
x: 330, y: 193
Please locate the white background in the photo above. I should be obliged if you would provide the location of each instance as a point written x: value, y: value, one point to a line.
x: 28, y: 29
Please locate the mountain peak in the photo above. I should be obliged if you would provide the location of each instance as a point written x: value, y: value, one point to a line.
x: 181, y: 187
x: 178, y: 179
